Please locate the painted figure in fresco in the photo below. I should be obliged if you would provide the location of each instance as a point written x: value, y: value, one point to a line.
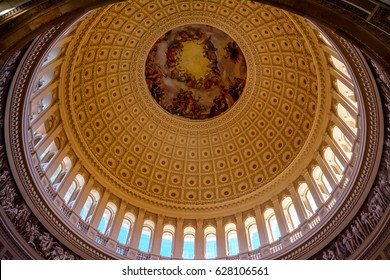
x: 173, y: 50
x: 232, y: 51
x: 185, y: 105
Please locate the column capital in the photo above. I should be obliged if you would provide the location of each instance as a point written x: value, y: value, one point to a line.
x: 238, y: 216
x: 219, y: 219
x: 291, y: 188
x: 160, y: 216
x: 179, y: 221
x: 141, y: 211
x: 275, y: 200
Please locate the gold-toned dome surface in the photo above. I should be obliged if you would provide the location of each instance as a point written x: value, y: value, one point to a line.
x: 144, y: 153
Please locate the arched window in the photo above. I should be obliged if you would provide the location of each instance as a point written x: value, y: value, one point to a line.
x: 339, y: 66
x: 324, y: 39
x: 89, y: 207
x: 104, y: 221
x: 146, y: 236
x: 271, y: 225
x: 290, y: 213
x: 48, y: 155
x: 56, y: 173
x: 74, y: 190
x: 322, y: 182
x: 210, y: 234
x: 167, y: 241
x: 125, y: 230
x: 334, y: 163
x: 307, y: 199
x: 107, y: 218
x: 293, y: 215
x: 45, y: 80
x: 189, y: 243
x: 70, y: 192
x: 346, y: 117
x: 52, y: 55
x: 86, y: 208
x: 252, y: 233
x: 39, y: 134
x: 37, y: 138
x: 39, y: 106
x: 231, y: 240
x: 60, y: 172
x: 346, y: 92
x: 342, y: 141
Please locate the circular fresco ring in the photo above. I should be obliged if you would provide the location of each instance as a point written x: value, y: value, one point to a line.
x: 196, y: 71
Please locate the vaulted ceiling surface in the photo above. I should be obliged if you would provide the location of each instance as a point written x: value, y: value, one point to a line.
x: 233, y: 161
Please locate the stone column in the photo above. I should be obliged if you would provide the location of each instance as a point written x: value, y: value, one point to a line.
x: 100, y: 209
x: 317, y: 197
x: 117, y: 224
x: 241, y: 234
x: 327, y: 172
x: 346, y: 130
x: 42, y: 146
x: 221, y: 240
x: 43, y: 92
x: 344, y: 79
x: 299, y: 208
x: 261, y: 227
x: 315, y: 192
x: 282, y: 223
x: 82, y: 197
x: 345, y: 103
x: 157, y: 237
x: 38, y: 121
x: 136, y: 232
x: 179, y: 240
x: 199, y: 240
x: 70, y: 177
x: 57, y: 161
x: 329, y: 50
x: 337, y: 151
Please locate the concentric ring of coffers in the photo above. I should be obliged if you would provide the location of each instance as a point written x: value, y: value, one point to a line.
x: 150, y: 153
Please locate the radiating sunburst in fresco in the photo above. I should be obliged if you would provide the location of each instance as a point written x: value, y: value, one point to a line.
x: 196, y: 72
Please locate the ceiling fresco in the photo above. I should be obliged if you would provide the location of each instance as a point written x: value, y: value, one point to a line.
x: 196, y: 72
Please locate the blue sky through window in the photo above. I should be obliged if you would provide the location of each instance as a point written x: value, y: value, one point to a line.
x: 254, y: 237
x: 166, y: 245
x: 233, y: 243
x: 145, y: 239
x: 274, y: 228
x: 189, y: 247
x: 104, y: 221
x: 86, y: 207
x: 124, y: 232
x: 211, y: 246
